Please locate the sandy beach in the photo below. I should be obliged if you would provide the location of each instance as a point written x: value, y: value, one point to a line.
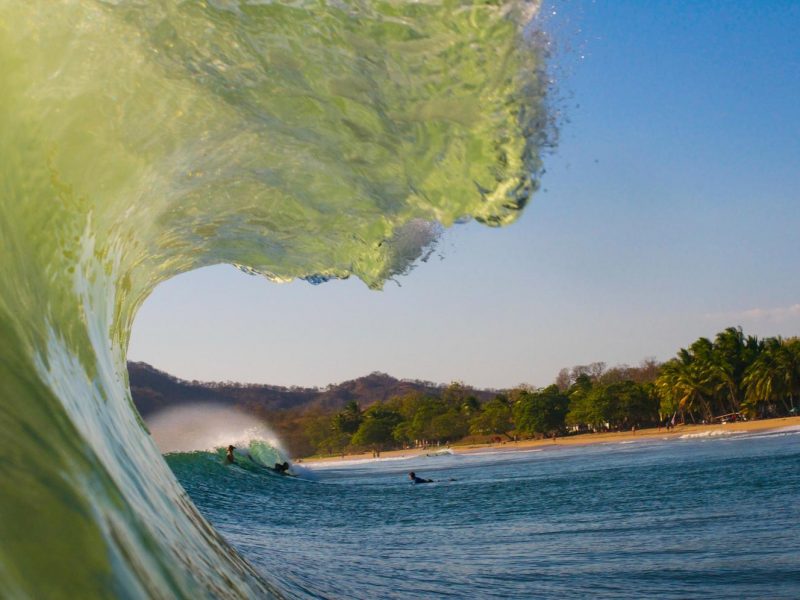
x: 581, y: 439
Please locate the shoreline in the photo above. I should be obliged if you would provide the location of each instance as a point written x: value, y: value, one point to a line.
x: 583, y: 439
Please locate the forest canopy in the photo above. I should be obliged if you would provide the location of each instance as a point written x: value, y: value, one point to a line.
x: 731, y: 377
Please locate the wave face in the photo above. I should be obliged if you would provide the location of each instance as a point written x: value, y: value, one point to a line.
x: 138, y: 140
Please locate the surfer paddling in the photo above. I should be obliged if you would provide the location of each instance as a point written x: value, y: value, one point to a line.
x: 414, y: 479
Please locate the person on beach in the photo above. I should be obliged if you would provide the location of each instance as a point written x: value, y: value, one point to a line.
x: 229, y: 456
x: 415, y: 479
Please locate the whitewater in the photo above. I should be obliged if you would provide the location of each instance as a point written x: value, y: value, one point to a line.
x: 140, y: 140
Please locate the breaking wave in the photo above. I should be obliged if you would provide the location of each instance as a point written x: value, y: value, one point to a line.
x: 140, y: 140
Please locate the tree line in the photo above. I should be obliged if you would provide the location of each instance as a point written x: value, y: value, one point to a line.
x: 732, y: 376
x: 734, y: 373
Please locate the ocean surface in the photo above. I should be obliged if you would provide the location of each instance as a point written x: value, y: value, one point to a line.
x: 698, y: 517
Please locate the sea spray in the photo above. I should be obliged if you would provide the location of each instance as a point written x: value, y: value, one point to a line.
x: 207, y: 427
x: 139, y: 140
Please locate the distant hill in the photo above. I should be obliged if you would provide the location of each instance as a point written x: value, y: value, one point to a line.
x: 154, y: 390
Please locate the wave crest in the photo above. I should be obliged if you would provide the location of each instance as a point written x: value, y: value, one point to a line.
x: 139, y: 140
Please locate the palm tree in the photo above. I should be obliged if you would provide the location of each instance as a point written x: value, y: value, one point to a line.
x: 731, y: 355
x: 683, y: 382
x: 774, y: 376
x: 793, y: 349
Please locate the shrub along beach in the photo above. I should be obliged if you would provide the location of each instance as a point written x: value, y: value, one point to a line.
x: 727, y: 380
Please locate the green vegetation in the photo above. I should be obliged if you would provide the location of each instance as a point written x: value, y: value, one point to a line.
x: 732, y: 376
x: 729, y: 377
x: 734, y: 373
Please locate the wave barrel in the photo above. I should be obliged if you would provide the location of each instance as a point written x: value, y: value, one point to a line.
x: 140, y: 140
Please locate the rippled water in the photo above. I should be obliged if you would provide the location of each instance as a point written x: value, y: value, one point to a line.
x: 713, y: 518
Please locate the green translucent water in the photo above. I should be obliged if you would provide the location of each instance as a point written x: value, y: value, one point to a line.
x: 141, y: 139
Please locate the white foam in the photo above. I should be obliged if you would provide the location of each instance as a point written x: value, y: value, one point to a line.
x: 335, y: 464
x: 787, y: 429
x: 207, y: 427
x: 445, y: 452
x: 502, y: 452
x: 707, y: 434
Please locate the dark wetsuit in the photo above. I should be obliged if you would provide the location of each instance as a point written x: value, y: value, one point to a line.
x: 421, y: 480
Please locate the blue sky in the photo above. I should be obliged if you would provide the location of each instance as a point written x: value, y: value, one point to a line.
x: 670, y: 210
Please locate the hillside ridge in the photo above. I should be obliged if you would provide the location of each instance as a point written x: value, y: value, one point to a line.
x: 154, y: 390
